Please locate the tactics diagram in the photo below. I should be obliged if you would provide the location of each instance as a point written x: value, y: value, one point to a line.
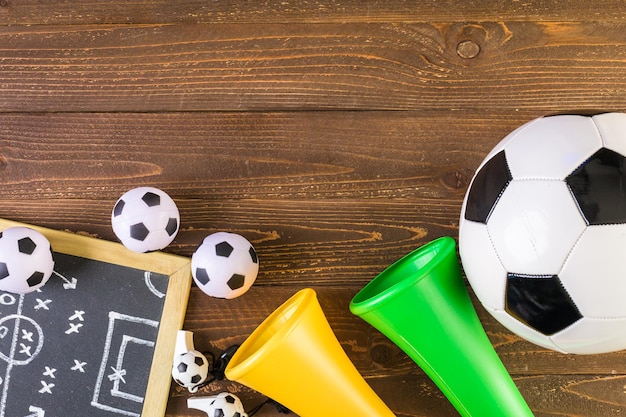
x: 81, y: 345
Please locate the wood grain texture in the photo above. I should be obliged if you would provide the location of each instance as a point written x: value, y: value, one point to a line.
x: 515, y: 66
x: 302, y: 11
x: 337, y: 135
x: 329, y: 199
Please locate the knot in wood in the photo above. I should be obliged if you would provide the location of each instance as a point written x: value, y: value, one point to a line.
x: 381, y: 354
x: 457, y: 179
x: 467, y: 49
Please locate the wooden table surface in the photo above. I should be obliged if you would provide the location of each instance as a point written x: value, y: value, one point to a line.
x: 336, y: 135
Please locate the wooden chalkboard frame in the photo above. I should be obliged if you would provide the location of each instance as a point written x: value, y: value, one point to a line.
x: 177, y: 268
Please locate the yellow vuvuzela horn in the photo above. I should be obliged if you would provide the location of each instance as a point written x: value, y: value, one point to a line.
x: 294, y: 358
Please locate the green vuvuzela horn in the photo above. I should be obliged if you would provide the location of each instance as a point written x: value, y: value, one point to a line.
x: 420, y: 302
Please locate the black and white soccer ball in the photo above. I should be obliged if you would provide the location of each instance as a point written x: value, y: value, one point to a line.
x: 226, y: 404
x: 190, y: 370
x: 145, y: 219
x: 542, y: 232
x: 225, y: 265
x: 26, y: 260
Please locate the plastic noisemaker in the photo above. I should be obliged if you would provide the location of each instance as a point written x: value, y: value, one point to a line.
x: 420, y: 302
x: 294, y: 358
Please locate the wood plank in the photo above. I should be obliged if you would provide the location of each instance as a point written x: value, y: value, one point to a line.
x: 279, y: 11
x: 553, y: 383
x: 413, y: 395
x: 548, y: 67
x: 374, y: 355
x: 355, y: 188
x: 251, y: 156
x: 336, y: 241
x: 328, y: 199
x: 336, y: 136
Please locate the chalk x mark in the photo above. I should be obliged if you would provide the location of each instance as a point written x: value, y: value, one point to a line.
x: 79, y: 366
x: 25, y: 350
x: 26, y: 335
x: 42, y: 304
x: 74, y: 328
x: 46, y: 388
x: 117, y: 375
x: 49, y: 372
x: 78, y: 315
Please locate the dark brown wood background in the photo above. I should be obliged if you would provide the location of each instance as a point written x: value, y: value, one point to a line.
x: 336, y: 135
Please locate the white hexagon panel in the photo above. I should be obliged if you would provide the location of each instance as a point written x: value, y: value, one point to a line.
x: 543, y: 233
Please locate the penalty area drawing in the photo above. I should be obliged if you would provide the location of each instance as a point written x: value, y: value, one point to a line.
x: 113, y: 374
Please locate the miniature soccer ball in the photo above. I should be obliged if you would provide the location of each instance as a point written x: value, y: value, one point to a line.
x: 225, y: 265
x: 226, y: 404
x: 190, y: 370
x: 145, y: 219
x: 542, y: 233
x: 26, y: 261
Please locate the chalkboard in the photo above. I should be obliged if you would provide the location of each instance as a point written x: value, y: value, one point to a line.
x: 98, y: 338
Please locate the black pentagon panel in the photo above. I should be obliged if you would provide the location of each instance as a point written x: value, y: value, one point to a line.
x: 223, y: 249
x: 139, y: 231
x: 488, y: 185
x: 198, y: 361
x: 26, y: 245
x: 229, y: 399
x: 236, y: 281
x: 119, y: 207
x: 202, y: 276
x: 253, y: 256
x: 172, y: 226
x: 599, y: 187
x: 182, y: 367
x: 35, y: 279
x: 151, y: 199
x: 541, y: 302
x: 218, y: 413
x: 237, y: 414
x: 4, y: 270
x: 196, y: 378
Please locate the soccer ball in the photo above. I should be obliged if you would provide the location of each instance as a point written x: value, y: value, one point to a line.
x: 190, y: 370
x: 542, y: 233
x: 226, y: 404
x: 26, y: 261
x: 145, y: 219
x: 225, y: 265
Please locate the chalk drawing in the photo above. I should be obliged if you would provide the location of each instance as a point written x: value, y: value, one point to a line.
x: 147, y: 278
x: 115, y: 317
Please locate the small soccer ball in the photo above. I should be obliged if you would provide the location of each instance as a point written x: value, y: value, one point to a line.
x: 190, y: 370
x: 26, y: 261
x: 145, y: 219
x: 542, y: 233
x: 225, y: 265
x: 226, y: 404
